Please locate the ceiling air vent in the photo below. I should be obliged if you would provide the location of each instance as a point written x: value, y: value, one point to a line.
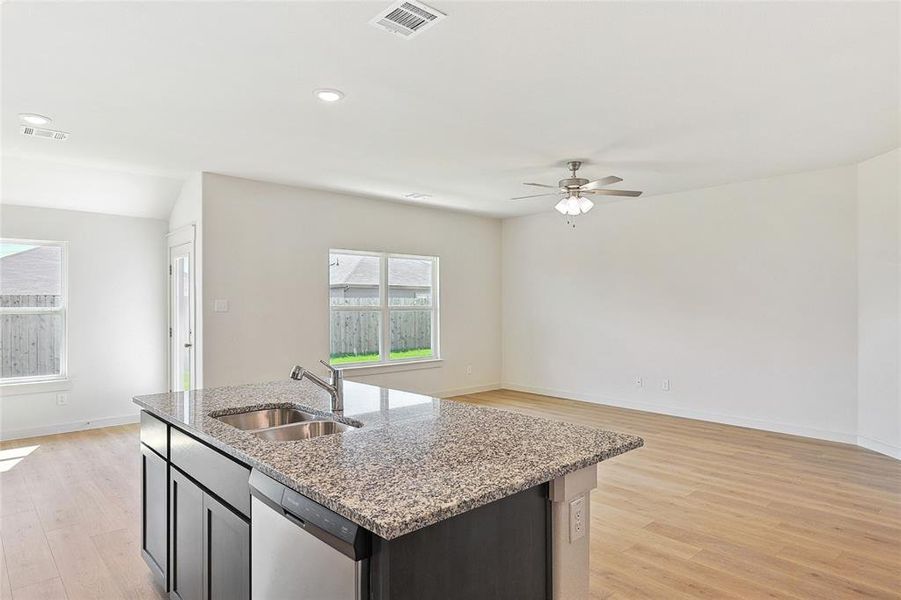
x: 407, y: 18
x: 47, y: 134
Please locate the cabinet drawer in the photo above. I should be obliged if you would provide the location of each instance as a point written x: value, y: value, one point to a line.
x: 155, y: 434
x: 215, y: 471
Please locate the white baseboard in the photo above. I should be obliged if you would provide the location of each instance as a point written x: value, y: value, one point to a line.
x: 880, y: 447
x: 752, y: 423
x: 475, y: 389
x: 17, y: 434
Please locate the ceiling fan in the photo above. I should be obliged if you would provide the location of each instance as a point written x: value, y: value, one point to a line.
x: 574, y: 191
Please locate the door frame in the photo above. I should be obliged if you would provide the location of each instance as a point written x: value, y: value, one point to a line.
x: 179, y: 237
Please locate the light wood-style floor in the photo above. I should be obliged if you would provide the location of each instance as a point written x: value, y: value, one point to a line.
x: 702, y: 511
x: 70, y: 517
x: 714, y: 511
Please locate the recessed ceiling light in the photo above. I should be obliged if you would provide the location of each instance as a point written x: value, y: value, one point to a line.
x: 35, y: 119
x: 327, y: 95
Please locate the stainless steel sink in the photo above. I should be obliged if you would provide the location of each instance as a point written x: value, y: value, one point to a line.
x: 270, y: 417
x: 302, y: 431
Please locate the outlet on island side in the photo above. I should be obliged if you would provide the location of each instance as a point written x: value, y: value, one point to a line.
x: 469, y: 369
x: 577, y: 519
x: 665, y: 386
x: 638, y: 381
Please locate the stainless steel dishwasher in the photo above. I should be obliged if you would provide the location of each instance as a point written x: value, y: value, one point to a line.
x: 301, y: 550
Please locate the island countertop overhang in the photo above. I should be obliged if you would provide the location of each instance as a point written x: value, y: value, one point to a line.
x: 415, y: 461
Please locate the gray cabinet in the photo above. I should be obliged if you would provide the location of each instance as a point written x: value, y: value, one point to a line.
x: 155, y: 513
x: 226, y: 552
x: 210, y: 545
x: 186, y: 534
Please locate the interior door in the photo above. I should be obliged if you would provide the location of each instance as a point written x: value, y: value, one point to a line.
x: 181, y: 317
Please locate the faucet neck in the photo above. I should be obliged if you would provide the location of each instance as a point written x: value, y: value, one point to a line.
x: 335, y: 385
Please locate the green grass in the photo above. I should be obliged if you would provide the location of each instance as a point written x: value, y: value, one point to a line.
x: 362, y: 358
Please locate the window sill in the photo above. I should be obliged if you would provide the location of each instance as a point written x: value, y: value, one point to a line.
x: 392, y: 367
x: 38, y: 386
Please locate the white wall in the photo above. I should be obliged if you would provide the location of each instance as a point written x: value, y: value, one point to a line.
x: 188, y: 210
x: 116, y: 319
x: 266, y: 251
x: 879, y: 283
x: 743, y: 295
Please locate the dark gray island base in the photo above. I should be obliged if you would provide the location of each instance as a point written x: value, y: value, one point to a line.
x: 500, y: 550
x: 428, y: 498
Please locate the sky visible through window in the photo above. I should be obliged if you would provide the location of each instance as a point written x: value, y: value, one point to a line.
x: 8, y: 249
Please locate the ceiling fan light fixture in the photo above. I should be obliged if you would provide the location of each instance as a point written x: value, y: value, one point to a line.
x: 572, y: 206
x: 572, y: 202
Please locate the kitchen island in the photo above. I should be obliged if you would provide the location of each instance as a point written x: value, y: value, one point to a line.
x: 456, y: 500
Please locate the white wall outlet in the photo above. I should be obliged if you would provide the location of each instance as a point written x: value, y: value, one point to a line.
x: 220, y: 305
x: 665, y: 385
x: 577, y: 519
x: 469, y: 369
x: 637, y: 381
x: 62, y: 399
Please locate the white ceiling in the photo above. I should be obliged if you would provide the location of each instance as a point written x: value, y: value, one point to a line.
x: 47, y: 184
x: 669, y: 96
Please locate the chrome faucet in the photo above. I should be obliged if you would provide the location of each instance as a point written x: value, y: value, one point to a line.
x: 335, y: 385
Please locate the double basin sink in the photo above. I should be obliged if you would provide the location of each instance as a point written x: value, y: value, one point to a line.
x: 284, y: 424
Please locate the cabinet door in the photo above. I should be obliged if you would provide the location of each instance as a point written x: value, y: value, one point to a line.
x: 155, y: 513
x: 186, y: 538
x: 226, y: 552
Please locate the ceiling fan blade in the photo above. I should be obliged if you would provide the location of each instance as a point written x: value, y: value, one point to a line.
x: 535, y: 196
x: 544, y: 185
x: 593, y: 185
x: 612, y: 192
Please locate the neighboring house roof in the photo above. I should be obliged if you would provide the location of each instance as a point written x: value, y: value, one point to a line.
x: 353, y: 269
x: 31, y: 272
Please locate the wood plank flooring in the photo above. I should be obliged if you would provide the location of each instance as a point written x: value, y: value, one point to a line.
x: 713, y: 511
x: 702, y: 511
x: 70, y: 517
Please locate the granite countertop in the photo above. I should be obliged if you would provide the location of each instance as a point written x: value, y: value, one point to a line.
x: 415, y: 461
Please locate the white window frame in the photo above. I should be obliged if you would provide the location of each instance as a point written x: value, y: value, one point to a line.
x: 61, y: 310
x: 384, y: 310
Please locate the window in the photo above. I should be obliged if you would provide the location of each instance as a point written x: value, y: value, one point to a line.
x: 384, y: 307
x: 32, y: 311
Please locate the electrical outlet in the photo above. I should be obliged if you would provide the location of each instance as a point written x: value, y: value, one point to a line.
x: 220, y: 305
x: 665, y: 385
x: 469, y: 369
x: 638, y: 382
x: 62, y: 399
x: 577, y: 519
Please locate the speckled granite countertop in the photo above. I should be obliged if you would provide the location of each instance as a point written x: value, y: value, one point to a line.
x: 416, y: 460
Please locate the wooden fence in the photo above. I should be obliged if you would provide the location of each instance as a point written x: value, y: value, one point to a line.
x: 354, y: 333
x: 30, y: 344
